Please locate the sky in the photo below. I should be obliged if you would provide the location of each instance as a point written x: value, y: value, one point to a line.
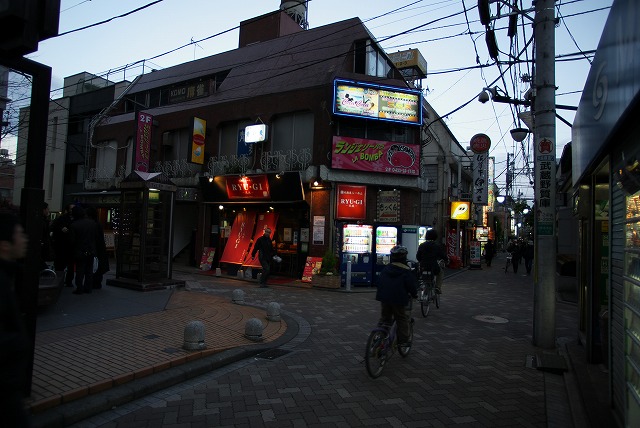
x: 451, y: 41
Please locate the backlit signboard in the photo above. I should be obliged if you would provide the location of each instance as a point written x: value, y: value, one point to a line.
x: 460, y: 210
x: 386, y: 157
x: 357, y: 99
x: 196, y: 154
x: 255, y: 133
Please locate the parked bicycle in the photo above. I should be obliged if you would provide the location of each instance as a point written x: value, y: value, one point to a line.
x: 509, y: 258
x: 383, y: 343
x: 427, y: 292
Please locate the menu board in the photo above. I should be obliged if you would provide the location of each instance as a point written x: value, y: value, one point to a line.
x: 311, y: 267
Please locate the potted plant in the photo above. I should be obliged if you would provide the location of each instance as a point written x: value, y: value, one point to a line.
x: 328, y: 276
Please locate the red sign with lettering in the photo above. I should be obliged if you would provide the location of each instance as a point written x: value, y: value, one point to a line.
x: 264, y: 220
x: 248, y: 187
x: 352, y: 202
x: 385, y: 157
x: 238, y: 243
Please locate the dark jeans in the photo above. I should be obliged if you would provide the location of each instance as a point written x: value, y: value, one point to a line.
x: 84, y: 274
x: 266, y: 269
x: 398, y: 312
x: 528, y: 264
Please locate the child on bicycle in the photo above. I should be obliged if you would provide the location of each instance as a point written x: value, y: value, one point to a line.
x: 397, y: 283
x: 429, y: 254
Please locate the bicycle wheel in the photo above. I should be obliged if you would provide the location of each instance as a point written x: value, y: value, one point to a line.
x: 425, y: 300
x: 376, y: 354
x: 403, y: 350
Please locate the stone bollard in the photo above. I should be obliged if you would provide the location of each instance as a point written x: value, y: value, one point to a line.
x: 194, y: 336
x: 240, y: 274
x: 218, y: 272
x: 273, y: 311
x: 253, y: 329
x: 238, y: 296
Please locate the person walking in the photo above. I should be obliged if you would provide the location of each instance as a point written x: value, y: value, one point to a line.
x: 84, y: 234
x: 429, y: 254
x: 516, y: 254
x: 101, y: 250
x: 489, y: 252
x: 14, y: 340
x: 264, y: 247
x: 397, y: 284
x: 62, y: 246
x: 527, y: 255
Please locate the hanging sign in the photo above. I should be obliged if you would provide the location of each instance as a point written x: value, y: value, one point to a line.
x: 143, y: 142
x: 197, y: 141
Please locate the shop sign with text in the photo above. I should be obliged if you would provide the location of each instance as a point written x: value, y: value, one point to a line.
x: 197, y: 140
x: 248, y: 187
x: 386, y: 157
x: 351, y: 202
x: 143, y: 142
x: 377, y: 102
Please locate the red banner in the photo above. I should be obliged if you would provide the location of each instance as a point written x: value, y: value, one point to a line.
x: 238, y: 243
x: 269, y: 220
x: 143, y: 142
x: 386, y: 157
x: 248, y: 187
x: 352, y: 202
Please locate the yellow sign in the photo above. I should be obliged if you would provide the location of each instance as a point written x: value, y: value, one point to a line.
x: 460, y: 210
x: 197, y: 140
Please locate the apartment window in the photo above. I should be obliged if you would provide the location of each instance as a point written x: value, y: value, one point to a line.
x: 370, y: 60
x: 106, y: 157
x: 232, y: 139
x: 293, y: 131
x: 175, y: 144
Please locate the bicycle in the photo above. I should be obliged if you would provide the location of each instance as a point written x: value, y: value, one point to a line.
x: 509, y: 258
x: 382, y: 344
x: 427, y: 293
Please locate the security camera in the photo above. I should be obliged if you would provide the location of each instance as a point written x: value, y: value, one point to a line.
x: 483, y: 97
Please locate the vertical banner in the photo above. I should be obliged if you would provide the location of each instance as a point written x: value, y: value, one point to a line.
x: 143, y: 142
x: 238, y: 243
x: 265, y: 220
x: 196, y: 154
x: 480, y: 178
x: 388, y: 206
x: 545, y: 186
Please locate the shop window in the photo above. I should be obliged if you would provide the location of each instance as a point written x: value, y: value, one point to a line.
x: 292, y: 131
x: 370, y: 60
x: 375, y: 130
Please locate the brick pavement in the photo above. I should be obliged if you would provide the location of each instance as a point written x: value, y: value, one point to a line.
x: 465, y: 368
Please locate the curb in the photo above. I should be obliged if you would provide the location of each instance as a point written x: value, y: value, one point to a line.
x: 67, y: 414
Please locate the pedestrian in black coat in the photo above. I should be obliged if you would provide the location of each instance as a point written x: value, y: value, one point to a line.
x: 15, y: 343
x: 527, y: 254
x: 62, y: 245
x: 84, y: 235
x: 101, y: 250
x: 264, y: 247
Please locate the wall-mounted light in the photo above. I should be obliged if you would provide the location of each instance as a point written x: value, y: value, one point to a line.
x: 279, y: 175
x: 220, y: 207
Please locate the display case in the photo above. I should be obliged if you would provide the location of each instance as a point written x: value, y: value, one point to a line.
x: 386, y: 237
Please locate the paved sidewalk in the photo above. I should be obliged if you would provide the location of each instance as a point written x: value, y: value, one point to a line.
x: 100, y: 351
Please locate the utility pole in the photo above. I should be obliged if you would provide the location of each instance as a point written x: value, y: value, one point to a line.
x: 544, y: 306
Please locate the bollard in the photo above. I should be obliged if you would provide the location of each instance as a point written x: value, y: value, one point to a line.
x: 240, y: 274
x: 347, y: 284
x: 238, y: 296
x: 273, y: 311
x: 253, y: 329
x: 218, y: 272
x: 194, y: 336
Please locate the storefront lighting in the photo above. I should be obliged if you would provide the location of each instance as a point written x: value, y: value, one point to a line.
x: 210, y: 179
x: 220, y: 207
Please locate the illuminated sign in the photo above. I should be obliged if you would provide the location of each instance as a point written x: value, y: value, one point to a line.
x: 197, y: 141
x: 255, y: 133
x: 460, y: 210
x: 377, y: 102
x: 352, y: 202
x: 248, y: 187
x: 375, y: 156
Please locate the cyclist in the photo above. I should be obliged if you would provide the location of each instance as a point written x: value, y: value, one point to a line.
x: 430, y: 252
x: 397, y: 282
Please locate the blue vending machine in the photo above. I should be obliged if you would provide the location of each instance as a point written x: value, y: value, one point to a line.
x: 386, y: 238
x: 356, y: 246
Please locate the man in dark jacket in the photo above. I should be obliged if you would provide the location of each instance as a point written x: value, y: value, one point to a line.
x: 84, y: 235
x: 14, y: 340
x: 264, y: 248
x: 62, y: 246
x: 396, y: 285
x: 428, y: 255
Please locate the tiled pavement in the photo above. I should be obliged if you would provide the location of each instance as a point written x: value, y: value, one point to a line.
x: 104, y: 362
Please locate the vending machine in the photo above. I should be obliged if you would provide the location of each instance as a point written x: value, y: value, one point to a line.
x: 412, y: 237
x: 386, y: 239
x: 355, y: 247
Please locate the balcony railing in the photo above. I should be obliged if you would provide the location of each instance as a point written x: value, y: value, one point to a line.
x: 183, y: 173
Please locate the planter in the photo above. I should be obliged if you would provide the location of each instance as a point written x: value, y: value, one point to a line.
x: 325, y: 281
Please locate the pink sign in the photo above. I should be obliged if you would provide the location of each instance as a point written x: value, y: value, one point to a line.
x: 143, y: 142
x: 359, y: 154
